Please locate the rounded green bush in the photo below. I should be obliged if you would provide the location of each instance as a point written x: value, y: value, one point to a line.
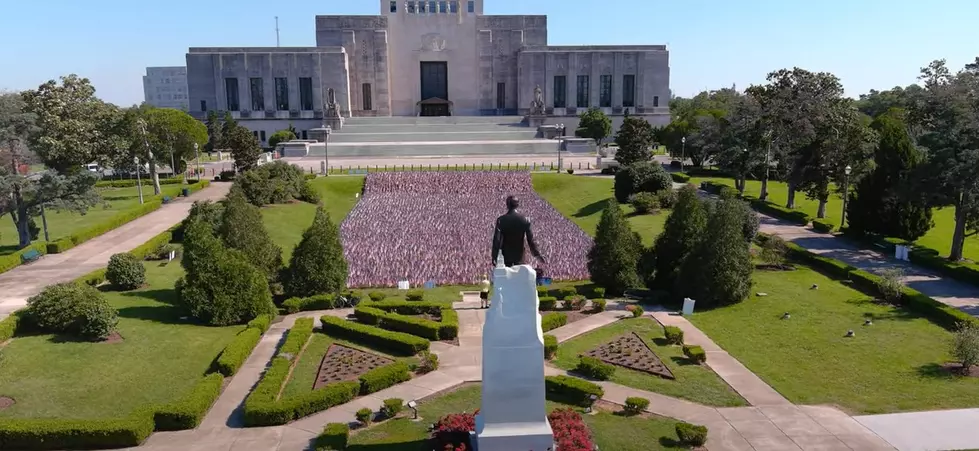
x: 644, y: 203
x: 72, y: 308
x: 667, y: 198
x: 377, y: 296
x: 125, y: 271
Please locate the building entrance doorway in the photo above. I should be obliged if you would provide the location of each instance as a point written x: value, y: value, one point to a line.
x: 435, y: 88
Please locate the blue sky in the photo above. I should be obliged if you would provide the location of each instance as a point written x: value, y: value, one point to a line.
x: 869, y: 44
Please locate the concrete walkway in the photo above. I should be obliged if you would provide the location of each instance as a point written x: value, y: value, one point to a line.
x: 22, y: 282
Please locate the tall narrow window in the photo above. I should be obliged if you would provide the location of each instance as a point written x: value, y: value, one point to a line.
x: 394, y: 6
x: 454, y: 6
x: 471, y: 7
x: 203, y: 105
x: 305, y: 135
x: 605, y: 99
x: 261, y: 135
x: 433, y: 7
x: 368, y: 103
x: 306, y: 93
x: 231, y: 93
x: 583, y: 87
x: 628, y: 90
x: 560, y: 91
x: 500, y: 96
x: 443, y: 7
x: 411, y: 7
x: 282, y: 93
x: 257, y: 89
x: 655, y: 101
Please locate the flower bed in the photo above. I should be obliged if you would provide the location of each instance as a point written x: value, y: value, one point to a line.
x: 437, y: 226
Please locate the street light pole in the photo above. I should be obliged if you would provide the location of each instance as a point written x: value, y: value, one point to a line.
x: 683, y: 152
x: 560, y: 126
x: 326, y: 150
x: 846, y: 192
x: 197, y: 153
x: 139, y: 184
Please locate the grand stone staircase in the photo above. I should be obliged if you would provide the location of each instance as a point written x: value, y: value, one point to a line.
x: 435, y: 136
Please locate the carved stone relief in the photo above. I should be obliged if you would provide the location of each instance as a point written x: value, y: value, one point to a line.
x: 433, y: 42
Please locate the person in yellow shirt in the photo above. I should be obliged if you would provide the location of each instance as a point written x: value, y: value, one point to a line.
x: 484, y: 293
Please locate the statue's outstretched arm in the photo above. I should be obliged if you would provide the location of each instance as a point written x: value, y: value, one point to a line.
x: 532, y: 243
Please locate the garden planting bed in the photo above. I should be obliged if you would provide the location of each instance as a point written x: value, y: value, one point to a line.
x: 342, y: 363
x: 630, y: 351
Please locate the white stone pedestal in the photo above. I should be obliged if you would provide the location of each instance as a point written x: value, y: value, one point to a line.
x: 513, y: 415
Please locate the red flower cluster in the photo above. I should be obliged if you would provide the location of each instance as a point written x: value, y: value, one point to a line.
x: 438, y: 226
x: 451, y: 432
x: 570, y: 431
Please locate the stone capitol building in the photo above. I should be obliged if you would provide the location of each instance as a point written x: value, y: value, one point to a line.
x: 426, y: 58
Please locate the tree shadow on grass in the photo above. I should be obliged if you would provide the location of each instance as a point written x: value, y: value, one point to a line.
x: 668, y: 442
x: 592, y: 208
x: 167, y: 312
x: 682, y: 361
x: 937, y: 371
x: 896, y: 313
x: 414, y: 445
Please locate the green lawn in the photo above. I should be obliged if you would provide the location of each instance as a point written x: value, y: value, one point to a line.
x: 306, y: 369
x: 891, y: 366
x: 582, y: 199
x: 611, y: 432
x: 938, y: 238
x: 63, y: 224
x: 159, y: 360
x: 693, y: 382
x: 287, y: 222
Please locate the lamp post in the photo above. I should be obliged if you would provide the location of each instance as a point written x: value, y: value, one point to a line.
x: 683, y: 152
x: 139, y: 184
x: 326, y: 150
x: 560, y: 126
x: 142, y: 127
x: 197, y: 153
x: 846, y: 190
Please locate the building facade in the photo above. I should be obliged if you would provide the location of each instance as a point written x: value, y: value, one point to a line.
x: 166, y: 87
x: 426, y: 58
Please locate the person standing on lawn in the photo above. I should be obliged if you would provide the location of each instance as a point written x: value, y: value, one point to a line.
x: 484, y: 293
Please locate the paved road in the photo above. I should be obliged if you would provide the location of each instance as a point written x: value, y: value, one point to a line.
x: 22, y: 282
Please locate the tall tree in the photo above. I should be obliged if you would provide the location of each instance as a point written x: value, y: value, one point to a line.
x: 317, y: 265
x: 683, y: 230
x: 242, y: 229
x: 161, y: 136
x: 882, y: 202
x: 594, y: 124
x: 743, y: 148
x: 718, y: 271
x: 214, y: 127
x: 614, y: 257
x: 946, y: 113
x: 875, y: 103
x: 243, y: 146
x: 635, y: 141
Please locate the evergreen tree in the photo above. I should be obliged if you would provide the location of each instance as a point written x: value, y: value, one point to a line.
x: 220, y: 287
x: 635, y: 141
x: 881, y: 202
x: 243, y: 146
x: 317, y: 265
x: 594, y: 124
x: 214, y: 128
x: 242, y: 229
x: 683, y: 231
x: 613, y: 259
x: 718, y: 271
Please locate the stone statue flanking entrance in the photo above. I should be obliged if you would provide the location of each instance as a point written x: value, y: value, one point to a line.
x: 537, y: 113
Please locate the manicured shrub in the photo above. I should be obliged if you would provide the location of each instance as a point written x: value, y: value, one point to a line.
x: 451, y: 432
x: 383, y: 377
x: 550, y: 346
x: 274, y: 183
x: 598, y: 292
x: 449, y: 326
x: 572, y: 389
x: 635, y: 405
x: 636, y: 310
x: 822, y: 226
x: 262, y: 410
x: 125, y: 272
x: 242, y: 229
x: 553, y: 320
x: 547, y: 303
x: 691, y: 435
x: 614, y: 256
x: 317, y: 265
x: 187, y: 412
x: 965, y: 346
x: 317, y: 302
x: 369, y: 315
x: 74, y: 309
x: 333, y: 438
x: 415, y: 295
x: 365, y: 416
x: 220, y: 287
x: 575, y: 303
x: 695, y: 353
x: 644, y: 203
x: 428, y: 362
x: 541, y: 291
x: 404, y: 344
x: 890, y: 284
x: 773, y: 250
x: 678, y: 177
x: 595, y: 368
x: 235, y: 354
x: 598, y: 305
x: 411, y: 325
x: 54, y: 433
x: 797, y: 216
x: 674, y: 335
x: 571, y: 171
x: 666, y: 198
x: 567, y: 292
x: 377, y: 296
x: 392, y: 407
x: 296, y: 338
x: 570, y: 431
x: 641, y: 177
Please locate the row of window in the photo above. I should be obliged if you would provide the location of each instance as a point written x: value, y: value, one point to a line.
x: 433, y: 6
x: 171, y: 97
x: 169, y: 89
x: 583, y: 100
x: 256, y: 87
x: 260, y: 135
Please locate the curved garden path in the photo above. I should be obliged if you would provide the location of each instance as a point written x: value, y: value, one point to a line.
x: 772, y: 423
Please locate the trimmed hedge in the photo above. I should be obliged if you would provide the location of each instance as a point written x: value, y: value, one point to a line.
x: 550, y: 346
x: 553, y: 320
x: 449, y: 326
x: 572, y: 389
x: 11, y: 261
x: 822, y: 226
x: 595, y: 368
x: 393, y: 316
x: 234, y: 355
x: 548, y: 303
x: 297, y: 337
x: 674, y: 335
x: 383, y: 377
x: 187, y: 412
x: 318, y: 302
x: 144, y: 250
x: 695, y: 353
x: 691, y: 434
x: 419, y: 327
x: 679, y: 177
x: 797, y: 216
x: 261, y: 322
x: 131, y: 183
x: 634, y: 405
x: 112, y: 223
x: 8, y: 326
x: 333, y: 438
x: 52, y: 434
x: 398, y: 342
x: 260, y: 412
